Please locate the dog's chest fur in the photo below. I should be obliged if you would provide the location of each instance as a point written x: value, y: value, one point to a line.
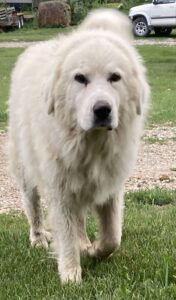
x: 93, y: 166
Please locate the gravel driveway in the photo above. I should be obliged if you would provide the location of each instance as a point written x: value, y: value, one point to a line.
x: 156, y: 166
x: 139, y: 42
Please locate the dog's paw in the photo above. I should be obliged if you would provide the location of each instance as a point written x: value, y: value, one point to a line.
x: 84, y: 246
x: 101, y: 250
x: 40, y: 238
x: 70, y: 275
x: 94, y: 250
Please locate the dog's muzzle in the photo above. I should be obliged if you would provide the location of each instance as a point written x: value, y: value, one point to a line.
x: 102, y: 114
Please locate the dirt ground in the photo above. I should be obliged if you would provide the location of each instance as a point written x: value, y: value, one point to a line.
x: 156, y: 166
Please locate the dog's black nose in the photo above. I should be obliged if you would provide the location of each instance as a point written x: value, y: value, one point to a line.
x: 102, y: 110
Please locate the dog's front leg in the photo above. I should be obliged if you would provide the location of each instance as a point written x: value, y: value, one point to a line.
x: 65, y: 236
x: 82, y: 234
x: 110, y: 217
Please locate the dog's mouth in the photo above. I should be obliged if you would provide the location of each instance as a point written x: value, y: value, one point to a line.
x: 105, y: 125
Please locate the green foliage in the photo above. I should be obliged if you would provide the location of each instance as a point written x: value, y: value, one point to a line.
x: 127, y: 4
x: 80, y: 8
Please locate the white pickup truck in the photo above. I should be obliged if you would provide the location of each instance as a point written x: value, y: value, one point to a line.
x: 160, y: 15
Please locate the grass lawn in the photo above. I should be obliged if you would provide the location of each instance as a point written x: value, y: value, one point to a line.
x: 31, y: 34
x: 143, y: 268
x: 161, y: 67
x: 7, y: 60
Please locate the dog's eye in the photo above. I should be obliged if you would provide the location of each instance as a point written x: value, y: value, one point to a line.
x: 114, y: 77
x: 81, y: 79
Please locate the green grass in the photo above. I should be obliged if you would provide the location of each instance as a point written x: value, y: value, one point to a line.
x: 161, y: 65
x: 153, y: 140
x: 156, y: 196
x: 31, y: 34
x: 143, y: 268
x: 7, y: 61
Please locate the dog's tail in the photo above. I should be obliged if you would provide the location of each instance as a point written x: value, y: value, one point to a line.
x: 109, y: 19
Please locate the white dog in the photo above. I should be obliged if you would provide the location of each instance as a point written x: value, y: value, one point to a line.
x: 76, y: 111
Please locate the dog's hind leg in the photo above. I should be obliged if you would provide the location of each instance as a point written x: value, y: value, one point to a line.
x: 32, y: 206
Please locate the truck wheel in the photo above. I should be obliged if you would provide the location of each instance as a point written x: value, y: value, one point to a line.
x: 162, y: 31
x: 140, y: 27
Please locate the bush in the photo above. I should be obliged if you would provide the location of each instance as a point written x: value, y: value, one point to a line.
x: 77, y: 11
x: 80, y: 8
x: 127, y: 4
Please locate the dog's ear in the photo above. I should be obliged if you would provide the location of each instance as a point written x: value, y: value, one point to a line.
x: 144, y: 95
x: 138, y: 103
x: 52, y: 93
x: 139, y: 91
x: 51, y: 105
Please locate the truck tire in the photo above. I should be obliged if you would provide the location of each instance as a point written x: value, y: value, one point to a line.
x: 162, y: 31
x: 140, y: 27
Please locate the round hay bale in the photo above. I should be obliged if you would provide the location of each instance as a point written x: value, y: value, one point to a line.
x: 54, y: 13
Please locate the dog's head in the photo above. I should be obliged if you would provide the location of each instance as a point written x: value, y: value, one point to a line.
x: 96, y: 81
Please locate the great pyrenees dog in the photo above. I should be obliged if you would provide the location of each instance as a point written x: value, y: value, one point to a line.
x: 76, y: 112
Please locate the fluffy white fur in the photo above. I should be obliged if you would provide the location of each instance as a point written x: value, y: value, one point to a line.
x: 54, y: 145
